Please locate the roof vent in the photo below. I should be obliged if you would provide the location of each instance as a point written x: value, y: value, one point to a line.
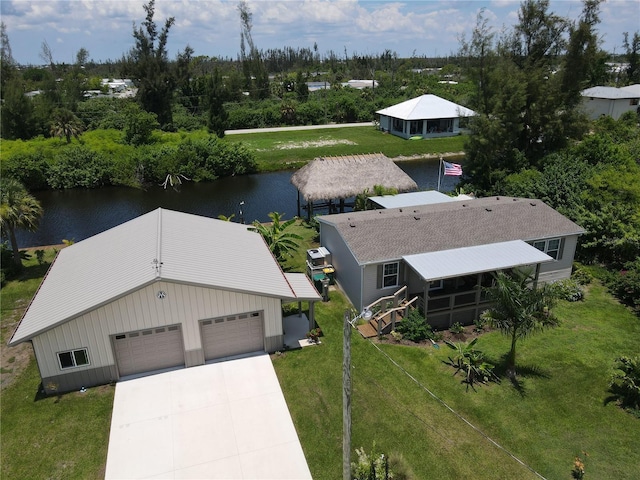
x: 488, y: 209
x: 464, y: 204
x: 416, y: 218
x: 497, y: 198
x: 533, y: 204
x: 352, y: 224
x: 515, y: 199
x: 400, y: 210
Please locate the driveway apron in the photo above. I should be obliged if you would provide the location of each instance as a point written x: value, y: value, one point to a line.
x: 225, y: 420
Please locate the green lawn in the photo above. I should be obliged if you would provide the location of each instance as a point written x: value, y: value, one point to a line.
x: 291, y: 149
x: 557, y: 412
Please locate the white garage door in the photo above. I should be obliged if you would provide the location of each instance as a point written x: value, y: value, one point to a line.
x: 233, y: 335
x: 149, y: 350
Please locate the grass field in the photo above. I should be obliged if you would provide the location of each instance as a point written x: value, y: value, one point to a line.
x: 557, y: 411
x: 291, y: 149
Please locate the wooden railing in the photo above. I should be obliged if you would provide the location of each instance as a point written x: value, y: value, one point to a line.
x: 392, y: 314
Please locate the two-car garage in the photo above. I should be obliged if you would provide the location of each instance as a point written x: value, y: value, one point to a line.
x: 159, y: 348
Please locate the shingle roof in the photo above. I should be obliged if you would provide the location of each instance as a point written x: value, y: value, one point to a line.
x: 160, y: 245
x: 326, y: 178
x: 426, y: 107
x: 378, y: 235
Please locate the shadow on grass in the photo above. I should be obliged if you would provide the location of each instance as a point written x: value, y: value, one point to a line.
x: 30, y: 272
x: 522, y: 372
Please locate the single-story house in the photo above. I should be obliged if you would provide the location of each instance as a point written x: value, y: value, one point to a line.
x: 427, y: 116
x: 442, y: 252
x: 611, y: 101
x: 163, y: 290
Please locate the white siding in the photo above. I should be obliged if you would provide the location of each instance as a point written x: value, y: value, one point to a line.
x: 559, y: 269
x: 184, y: 305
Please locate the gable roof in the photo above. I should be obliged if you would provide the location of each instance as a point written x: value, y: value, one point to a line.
x: 162, y: 245
x: 426, y: 107
x: 613, y: 93
x: 377, y: 235
x: 326, y: 178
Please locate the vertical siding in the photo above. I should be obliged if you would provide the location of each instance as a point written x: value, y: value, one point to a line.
x: 184, y: 305
x: 347, y: 269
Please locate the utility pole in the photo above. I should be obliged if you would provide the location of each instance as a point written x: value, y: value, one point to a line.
x: 346, y: 398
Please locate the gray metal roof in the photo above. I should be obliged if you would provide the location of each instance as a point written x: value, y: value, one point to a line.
x: 378, y: 235
x: 302, y: 286
x: 613, y: 93
x: 471, y: 260
x: 426, y: 107
x: 160, y: 245
x: 412, y: 199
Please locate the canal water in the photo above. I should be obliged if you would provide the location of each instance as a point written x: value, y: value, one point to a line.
x: 77, y: 214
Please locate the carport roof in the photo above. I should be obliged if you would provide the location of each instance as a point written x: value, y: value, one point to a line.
x: 162, y: 245
x: 302, y: 287
x: 471, y: 260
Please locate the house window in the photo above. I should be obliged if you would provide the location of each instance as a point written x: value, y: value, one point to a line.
x: 398, y: 125
x: 73, y: 358
x: 436, y: 285
x: 633, y: 101
x: 390, y: 275
x: 551, y: 247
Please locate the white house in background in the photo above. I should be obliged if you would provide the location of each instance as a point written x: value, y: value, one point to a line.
x: 164, y: 290
x: 441, y: 252
x: 427, y: 116
x: 611, y: 101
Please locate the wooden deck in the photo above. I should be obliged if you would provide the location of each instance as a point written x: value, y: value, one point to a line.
x: 370, y: 329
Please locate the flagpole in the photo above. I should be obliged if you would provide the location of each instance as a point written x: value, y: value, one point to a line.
x: 439, y: 172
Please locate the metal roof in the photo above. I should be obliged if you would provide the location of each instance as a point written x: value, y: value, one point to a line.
x: 160, y: 245
x: 302, y: 286
x: 426, y: 107
x: 613, y: 93
x: 471, y: 260
x: 377, y: 235
x: 411, y: 199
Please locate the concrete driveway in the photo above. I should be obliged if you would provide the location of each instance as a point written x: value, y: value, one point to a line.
x: 225, y: 420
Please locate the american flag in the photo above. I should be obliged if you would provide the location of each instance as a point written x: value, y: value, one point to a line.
x: 452, y: 169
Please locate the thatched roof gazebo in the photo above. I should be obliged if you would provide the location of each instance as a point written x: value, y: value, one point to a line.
x: 329, y: 178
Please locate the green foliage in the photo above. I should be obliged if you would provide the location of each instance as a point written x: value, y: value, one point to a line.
x: 568, y: 289
x: 456, y: 328
x: 28, y: 168
x: 138, y: 125
x: 518, y: 310
x: 282, y: 242
x: 625, y: 284
x: 79, y: 166
x: 625, y: 383
x: 65, y: 125
x: 414, y: 327
x: 471, y: 363
x: 370, y: 466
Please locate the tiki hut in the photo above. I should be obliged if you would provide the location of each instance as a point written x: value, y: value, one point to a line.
x: 326, y: 179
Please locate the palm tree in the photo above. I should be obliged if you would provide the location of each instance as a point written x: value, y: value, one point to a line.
x: 519, y: 309
x: 18, y: 210
x: 66, y: 124
x: 281, y: 243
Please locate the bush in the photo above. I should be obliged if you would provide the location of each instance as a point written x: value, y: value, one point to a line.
x: 79, y: 166
x: 30, y: 169
x: 580, y: 275
x: 456, y: 328
x: 568, y: 289
x: 625, y: 383
x: 414, y: 327
x: 625, y: 284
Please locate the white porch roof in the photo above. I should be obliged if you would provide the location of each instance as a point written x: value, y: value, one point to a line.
x: 472, y: 260
x: 411, y: 199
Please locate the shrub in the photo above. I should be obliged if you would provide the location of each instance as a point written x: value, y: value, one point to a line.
x: 414, y: 327
x: 30, y: 169
x: 568, y: 289
x: 471, y: 363
x: 625, y: 284
x: 625, y: 383
x: 373, y: 466
x: 456, y: 328
x: 580, y: 275
x: 79, y: 166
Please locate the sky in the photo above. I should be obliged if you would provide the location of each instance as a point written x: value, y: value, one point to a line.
x: 212, y: 27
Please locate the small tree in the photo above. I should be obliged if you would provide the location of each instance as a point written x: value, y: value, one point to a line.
x: 519, y: 309
x: 18, y: 210
x: 281, y: 242
x: 66, y: 125
x: 471, y: 363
